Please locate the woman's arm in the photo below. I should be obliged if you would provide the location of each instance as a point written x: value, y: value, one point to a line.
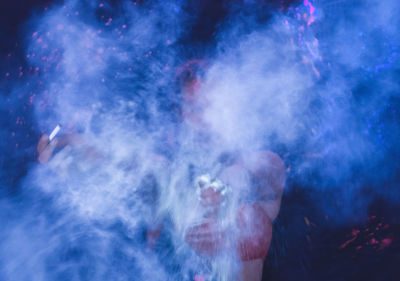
x: 269, y: 176
x: 255, y: 220
x: 46, y: 148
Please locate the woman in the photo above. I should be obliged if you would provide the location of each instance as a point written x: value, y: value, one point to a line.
x: 257, y: 178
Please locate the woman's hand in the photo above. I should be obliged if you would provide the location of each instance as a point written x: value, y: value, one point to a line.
x: 45, y: 148
x: 254, y: 228
x: 207, y: 238
x: 254, y: 234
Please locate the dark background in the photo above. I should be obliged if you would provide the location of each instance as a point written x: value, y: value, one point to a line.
x: 307, y: 244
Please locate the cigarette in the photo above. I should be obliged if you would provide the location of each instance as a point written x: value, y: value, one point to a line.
x: 54, y: 132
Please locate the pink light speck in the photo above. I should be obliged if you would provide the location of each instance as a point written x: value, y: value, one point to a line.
x: 385, y: 243
x: 31, y: 98
x: 108, y: 21
x: 344, y: 245
x: 312, y: 11
x: 198, y: 278
x: 312, y: 8
x: 374, y: 241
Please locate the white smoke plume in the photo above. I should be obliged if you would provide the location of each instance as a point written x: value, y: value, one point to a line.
x: 109, y: 74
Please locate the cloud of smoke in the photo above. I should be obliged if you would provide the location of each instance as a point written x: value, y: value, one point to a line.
x: 315, y: 85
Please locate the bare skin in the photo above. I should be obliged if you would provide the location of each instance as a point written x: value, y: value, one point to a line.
x: 207, y: 238
x: 46, y: 148
x: 266, y: 167
x: 268, y: 171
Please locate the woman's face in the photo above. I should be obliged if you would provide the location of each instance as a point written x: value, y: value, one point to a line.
x: 194, y: 101
x: 192, y: 109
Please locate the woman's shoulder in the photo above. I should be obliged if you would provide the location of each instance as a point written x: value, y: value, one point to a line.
x: 263, y: 160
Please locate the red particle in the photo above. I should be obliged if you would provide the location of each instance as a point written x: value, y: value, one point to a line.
x: 108, y: 21
x: 344, y: 245
x: 31, y: 99
x: 385, y: 243
x: 386, y: 226
x: 7, y: 74
x: 198, y: 278
x: 355, y: 232
x: 101, y: 5
x: 374, y: 241
x: 358, y: 248
x: 124, y: 26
